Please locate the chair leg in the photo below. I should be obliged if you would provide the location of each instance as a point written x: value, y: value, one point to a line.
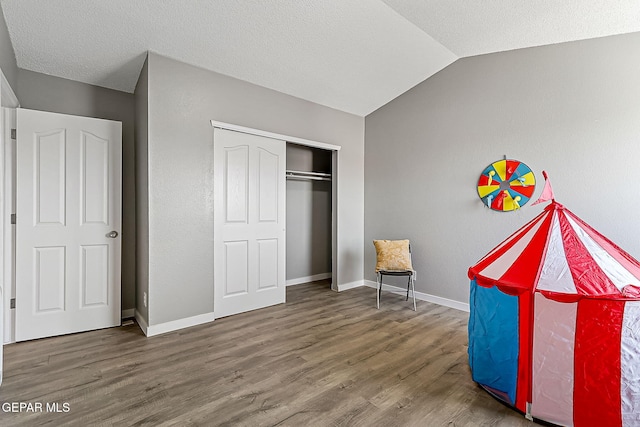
x: 379, y: 277
x: 413, y: 291
x: 408, y: 286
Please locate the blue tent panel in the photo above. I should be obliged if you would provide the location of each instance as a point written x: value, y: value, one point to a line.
x: 493, y: 339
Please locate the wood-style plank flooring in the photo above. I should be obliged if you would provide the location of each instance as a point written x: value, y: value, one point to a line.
x: 322, y: 359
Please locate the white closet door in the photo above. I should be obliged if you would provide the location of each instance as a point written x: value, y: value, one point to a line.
x: 69, y: 185
x: 249, y: 222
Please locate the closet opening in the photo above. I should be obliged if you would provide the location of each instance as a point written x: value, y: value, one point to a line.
x: 309, y: 195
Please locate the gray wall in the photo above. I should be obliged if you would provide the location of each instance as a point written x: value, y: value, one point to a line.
x: 182, y: 101
x: 7, y: 55
x: 142, y: 191
x: 47, y: 93
x: 571, y: 109
x: 308, y: 214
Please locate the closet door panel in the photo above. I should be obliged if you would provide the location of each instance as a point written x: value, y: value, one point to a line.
x: 249, y: 222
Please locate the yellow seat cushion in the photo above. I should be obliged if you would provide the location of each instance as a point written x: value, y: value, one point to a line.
x: 393, y: 255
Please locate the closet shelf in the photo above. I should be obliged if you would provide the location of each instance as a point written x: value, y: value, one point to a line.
x: 302, y: 175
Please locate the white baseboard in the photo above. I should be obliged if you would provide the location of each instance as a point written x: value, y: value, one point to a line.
x: 174, y: 325
x: 141, y: 322
x: 350, y: 285
x: 128, y: 313
x: 423, y: 297
x: 308, y: 279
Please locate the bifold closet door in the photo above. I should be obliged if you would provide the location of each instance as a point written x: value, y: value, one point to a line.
x: 249, y: 222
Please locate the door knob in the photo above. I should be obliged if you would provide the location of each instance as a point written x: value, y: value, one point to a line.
x: 113, y: 234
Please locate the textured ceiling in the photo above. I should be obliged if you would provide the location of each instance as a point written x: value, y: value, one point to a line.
x: 352, y: 55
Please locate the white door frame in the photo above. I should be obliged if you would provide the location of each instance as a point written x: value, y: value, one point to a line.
x: 9, y: 103
x: 335, y: 155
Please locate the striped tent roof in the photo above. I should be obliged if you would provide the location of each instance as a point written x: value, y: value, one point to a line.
x: 562, y: 257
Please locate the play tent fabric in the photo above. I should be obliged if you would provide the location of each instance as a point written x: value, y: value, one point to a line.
x: 554, y: 326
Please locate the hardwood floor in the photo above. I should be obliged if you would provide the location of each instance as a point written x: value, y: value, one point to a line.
x: 322, y: 359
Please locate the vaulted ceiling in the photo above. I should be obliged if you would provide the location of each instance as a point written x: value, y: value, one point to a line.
x: 352, y: 55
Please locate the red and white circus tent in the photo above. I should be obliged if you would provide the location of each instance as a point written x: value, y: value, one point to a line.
x: 571, y: 355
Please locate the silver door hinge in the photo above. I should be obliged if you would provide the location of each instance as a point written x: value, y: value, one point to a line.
x: 13, y: 134
x: 12, y: 303
x: 13, y: 218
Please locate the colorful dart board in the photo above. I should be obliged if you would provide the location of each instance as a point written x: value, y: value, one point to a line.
x: 506, y: 185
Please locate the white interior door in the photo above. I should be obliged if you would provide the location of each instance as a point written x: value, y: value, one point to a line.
x: 249, y: 222
x: 68, y: 209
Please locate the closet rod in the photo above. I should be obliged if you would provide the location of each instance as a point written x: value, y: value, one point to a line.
x: 307, y: 178
x: 302, y: 175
